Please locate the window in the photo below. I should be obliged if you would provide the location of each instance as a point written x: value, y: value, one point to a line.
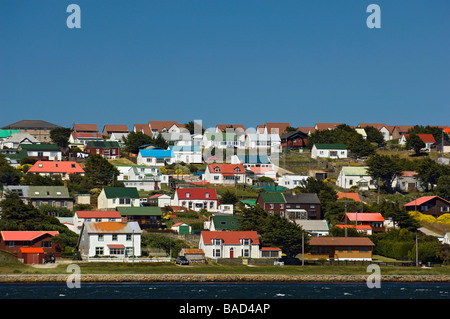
x: 216, y: 252
x: 98, y: 220
x: 207, y: 195
x: 116, y: 251
x: 217, y: 241
x: 271, y: 206
x: 46, y: 244
x: 445, y: 209
x: 281, y: 206
x: 128, y: 237
x: 245, y: 253
x: 100, y: 237
x: 99, y: 251
x: 188, y: 195
x: 114, y: 237
x: 246, y: 241
x: 125, y: 201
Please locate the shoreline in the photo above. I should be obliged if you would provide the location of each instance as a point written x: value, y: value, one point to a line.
x: 211, y: 278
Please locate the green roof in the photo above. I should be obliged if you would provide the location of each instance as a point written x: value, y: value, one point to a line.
x: 104, y: 144
x: 272, y: 197
x: 251, y: 202
x: 321, y: 146
x: 48, y: 191
x: 39, y: 147
x: 7, y: 133
x: 121, y: 192
x: 225, y: 222
x: 355, y: 170
x: 141, y: 211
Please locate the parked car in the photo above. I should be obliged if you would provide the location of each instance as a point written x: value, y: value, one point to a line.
x: 181, y: 260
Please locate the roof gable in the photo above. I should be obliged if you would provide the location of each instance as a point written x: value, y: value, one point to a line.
x: 424, y: 199
x: 229, y: 237
x: 197, y: 193
x: 226, y: 168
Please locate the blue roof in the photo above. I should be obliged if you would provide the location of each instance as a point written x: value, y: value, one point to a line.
x: 158, y: 153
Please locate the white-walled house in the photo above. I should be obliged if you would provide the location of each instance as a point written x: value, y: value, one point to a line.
x: 196, y: 199
x: 112, y: 197
x: 350, y: 176
x: 80, y: 217
x: 235, y: 244
x: 224, y: 174
x: 187, y: 154
x: 143, y: 177
x: 155, y: 157
x: 259, y: 165
x: 160, y: 200
x: 329, y: 151
x: 266, y: 141
x: 291, y: 181
x: 114, y: 239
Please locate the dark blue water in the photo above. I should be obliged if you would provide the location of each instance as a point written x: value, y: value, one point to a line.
x: 226, y: 291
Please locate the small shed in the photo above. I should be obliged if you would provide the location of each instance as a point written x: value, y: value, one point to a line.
x: 182, y: 228
x: 193, y: 255
x: 31, y: 255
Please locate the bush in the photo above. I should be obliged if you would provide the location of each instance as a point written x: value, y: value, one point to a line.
x: 443, y: 219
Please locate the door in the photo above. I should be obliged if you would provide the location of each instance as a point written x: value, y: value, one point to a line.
x: 231, y: 252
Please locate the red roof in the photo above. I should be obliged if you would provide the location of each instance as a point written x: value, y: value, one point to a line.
x: 98, y: 214
x: 270, y: 248
x: 409, y: 173
x: 25, y: 235
x: 31, y: 250
x: 87, y: 135
x: 354, y: 196
x: 353, y: 226
x: 197, y: 193
x: 85, y: 127
x: 424, y: 199
x: 69, y: 167
x: 426, y: 138
x: 229, y: 237
x: 364, y: 217
x: 226, y: 168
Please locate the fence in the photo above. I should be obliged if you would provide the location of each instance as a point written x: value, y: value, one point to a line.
x: 129, y: 259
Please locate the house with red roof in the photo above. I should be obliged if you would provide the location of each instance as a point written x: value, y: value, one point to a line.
x: 40, y: 241
x: 83, y: 133
x: 227, y: 174
x: 374, y: 220
x: 428, y: 139
x: 235, y: 244
x: 196, y: 199
x: 53, y: 168
x: 94, y: 216
x: 430, y: 205
x: 109, y: 129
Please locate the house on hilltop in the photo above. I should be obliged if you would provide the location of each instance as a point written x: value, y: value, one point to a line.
x: 329, y: 151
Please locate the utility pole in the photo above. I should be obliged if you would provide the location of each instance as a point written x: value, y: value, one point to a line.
x: 417, y: 252
x: 303, y: 248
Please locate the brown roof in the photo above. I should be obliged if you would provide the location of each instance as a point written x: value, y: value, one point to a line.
x: 110, y: 128
x: 306, y: 129
x: 404, y: 128
x: 143, y: 128
x: 223, y: 127
x: 281, y: 127
x: 30, y: 124
x: 85, y: 127
x: 326, y: 126
x: 378, y: 126
x: 340, y: 241
x: 160, y: 125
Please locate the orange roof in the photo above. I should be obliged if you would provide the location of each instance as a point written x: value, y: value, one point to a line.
x: 85, y: 127
x: 229, y: 237
x: 423, y: 199
x: 426, y: 138
x: 193, y: 251
x: 236, y: 127
x: 270, y: 248
x: 68, y: 167
x: 354, y: 196
x: 143, y: 128
x: 31, y: 250
x: 25, y: 235
x: 277, y: 128
x: 364, y: 217
x: 409, y: 173
x: 353, y: 226
x: 226, y: 168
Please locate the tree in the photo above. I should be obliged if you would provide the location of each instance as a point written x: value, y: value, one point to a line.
x: 443, y: 187
x: 383, y: 168
x: 136, y: 139
x: 415, y: 143
x: 99, y: 171
x: 429, y: 172
x: 229, y: 197
x: 274, y: 230
x: 60, y: 136
x: 374, y: 135
x: 8, y: 174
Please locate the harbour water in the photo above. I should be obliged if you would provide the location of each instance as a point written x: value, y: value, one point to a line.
x: 186, y: 291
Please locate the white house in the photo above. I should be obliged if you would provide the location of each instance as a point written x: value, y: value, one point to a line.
x: 350, y: 176
x: 235, y: 244
x: 315, y: 228
x: 112, y: 197
x: 226, y: 140
x: 291, y: 181
x: 224, y: 174
x: 15, y: 139
x: 196, y: 199
x: 160, y: 200
x: 114, y: 239
x: 329, y: 151
x: 143, y: 177
x: 80, y: 217
x: 187, y: 154
x: 49, y: 152
x: 155, y: 157
x: 265, y: 141
x: 428, y: 139
x: 259, y: 165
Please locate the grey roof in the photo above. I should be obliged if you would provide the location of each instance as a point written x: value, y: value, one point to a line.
x: 31, y: 124
x: 306, y: 198
x: 313, y: 225
x: 48, y: 192
x: 22, y: 191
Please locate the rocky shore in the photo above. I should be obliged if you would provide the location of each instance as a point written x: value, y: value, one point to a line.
x: 114, y: 278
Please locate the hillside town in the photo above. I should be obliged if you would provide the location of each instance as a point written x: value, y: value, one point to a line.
x: 165, y: 191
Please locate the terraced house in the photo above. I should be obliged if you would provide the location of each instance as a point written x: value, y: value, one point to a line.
x: 292, y: 206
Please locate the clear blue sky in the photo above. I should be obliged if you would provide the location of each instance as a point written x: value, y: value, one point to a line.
x: 229, y: 61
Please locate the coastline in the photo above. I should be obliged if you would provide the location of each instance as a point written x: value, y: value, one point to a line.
x: 205, y: 278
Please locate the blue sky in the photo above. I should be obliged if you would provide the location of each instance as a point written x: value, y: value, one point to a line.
x: 229, y: 61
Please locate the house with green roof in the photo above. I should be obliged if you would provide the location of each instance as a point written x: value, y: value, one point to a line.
x: 329, y: 151
x: 221, y: 222
x: 146, y: 216
x: 351, y: 176
x: 291, y: 205
x: 113, y: 197
x: 45, y: 152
